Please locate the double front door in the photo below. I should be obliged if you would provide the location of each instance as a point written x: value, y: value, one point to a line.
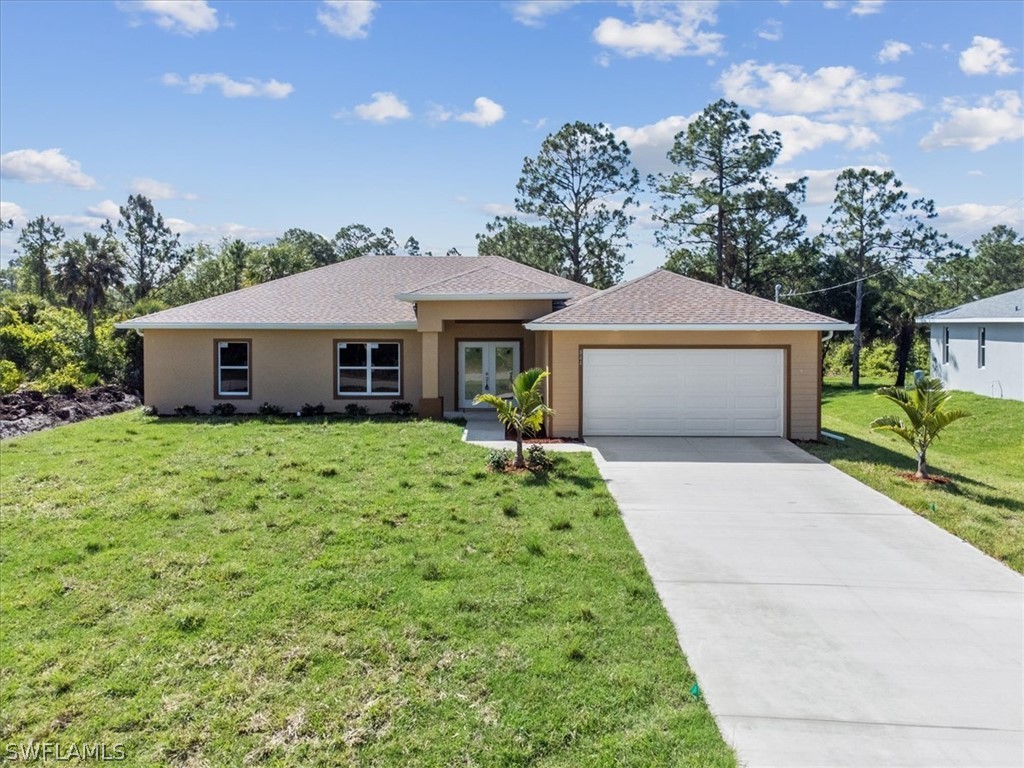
x: 486, y: 367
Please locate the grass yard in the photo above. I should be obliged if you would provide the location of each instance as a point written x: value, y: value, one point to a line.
x: 983, y: 456
x: 233, y: 592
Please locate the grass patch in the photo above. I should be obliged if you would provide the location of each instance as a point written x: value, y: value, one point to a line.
x: 377, y: 599
x: 984, y: 502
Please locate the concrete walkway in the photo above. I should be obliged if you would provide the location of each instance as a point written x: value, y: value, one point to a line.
x: 828, y: 625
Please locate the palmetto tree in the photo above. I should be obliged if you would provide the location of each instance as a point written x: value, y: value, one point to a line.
x: 927, y: 415
x: 525, y: 412
x: 88, y: 268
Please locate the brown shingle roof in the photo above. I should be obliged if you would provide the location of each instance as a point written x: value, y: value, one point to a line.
x: 490, y: 281
x: 665, y: 298
x: 359, y: 292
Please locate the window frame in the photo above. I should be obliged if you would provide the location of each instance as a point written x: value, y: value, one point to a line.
x: 982, y: 344
x: 945, y: 345
x: 217, y: 393
x: 369, y: 368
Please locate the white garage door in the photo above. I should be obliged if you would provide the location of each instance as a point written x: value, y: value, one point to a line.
x: 710, y: 392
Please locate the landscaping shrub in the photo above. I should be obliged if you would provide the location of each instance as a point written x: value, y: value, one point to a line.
x: 10, y: 377
x: 538, y: 460
x: 312, y: 410
x: 498, y: 459
x: 223, y: 409
x: 401, y: 408
x: 150, y: 410
x: 269, y: 410
x: 186, y: 411
x: 355, y: 410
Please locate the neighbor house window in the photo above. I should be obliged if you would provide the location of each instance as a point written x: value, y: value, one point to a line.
x: 981, y: 347
x: 233, y: 378
x: 369, y: 368
x: 945, y: 344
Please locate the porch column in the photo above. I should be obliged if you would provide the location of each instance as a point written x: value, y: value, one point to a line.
x: 431, y: 404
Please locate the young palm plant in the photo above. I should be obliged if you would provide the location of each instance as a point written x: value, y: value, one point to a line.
x: 525, y: 412
x: 926, y: 416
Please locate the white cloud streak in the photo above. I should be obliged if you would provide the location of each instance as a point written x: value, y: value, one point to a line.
x: 158, y: 190
x: 383, y: 107
x: 771, y: 30
x: 35, y: 166
x: 837, y: 93
x: 994, y: 119
x: 485, y: 113
x: 250, y: 88
x: 349, y: 19
x: 893, y: 50
x: 662, y: 30
x: 533, y: 13
x: 987, y: 56
x: 186, y: 17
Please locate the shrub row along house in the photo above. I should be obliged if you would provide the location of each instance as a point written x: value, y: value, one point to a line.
x: 659, y: 355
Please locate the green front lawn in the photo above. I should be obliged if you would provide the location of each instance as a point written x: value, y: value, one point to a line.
x: 983, y: 456
x: 296, y: 593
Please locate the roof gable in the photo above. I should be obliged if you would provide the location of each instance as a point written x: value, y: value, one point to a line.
x: 487, y: 281
x: 359, y: 293
x: 663, y: 298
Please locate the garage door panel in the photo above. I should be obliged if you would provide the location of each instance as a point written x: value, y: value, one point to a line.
x: 705, y: 392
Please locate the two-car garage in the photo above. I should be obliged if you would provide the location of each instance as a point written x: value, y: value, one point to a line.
x: 687, y: 392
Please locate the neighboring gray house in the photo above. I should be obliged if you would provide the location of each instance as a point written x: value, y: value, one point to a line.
x: 979, y: 347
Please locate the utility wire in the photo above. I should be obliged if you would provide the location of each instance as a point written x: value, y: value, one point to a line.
x: 833, y: 287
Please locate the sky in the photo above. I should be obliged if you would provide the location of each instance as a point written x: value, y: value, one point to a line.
x: 244, y: 119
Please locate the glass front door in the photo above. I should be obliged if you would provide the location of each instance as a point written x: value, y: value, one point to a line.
x: 486, y: 367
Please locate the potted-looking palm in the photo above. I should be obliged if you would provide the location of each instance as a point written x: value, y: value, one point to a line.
x: 525, y: 411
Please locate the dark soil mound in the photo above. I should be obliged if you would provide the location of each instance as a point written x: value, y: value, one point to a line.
x: 23, y: 412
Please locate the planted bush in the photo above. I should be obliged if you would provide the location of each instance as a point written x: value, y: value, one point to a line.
x: 498, y: 459
x: 401, y: 408
x: 186, y: 411
x: 223, y: 409
x: 312, y: 410
x: 538, y: 460
x: 355, y: 410
x: 269, y: 410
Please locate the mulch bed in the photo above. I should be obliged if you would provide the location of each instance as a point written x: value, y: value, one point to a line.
x: 31, y: 411
x: 933, y: 479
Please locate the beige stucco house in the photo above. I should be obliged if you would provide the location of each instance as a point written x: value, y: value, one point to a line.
x: 658, y: 355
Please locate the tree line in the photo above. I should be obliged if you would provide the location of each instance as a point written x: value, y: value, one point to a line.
x: 721, y: 215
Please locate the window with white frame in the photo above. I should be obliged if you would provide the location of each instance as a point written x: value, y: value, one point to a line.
x: 368, y: 368
x: 981, y: 346
x: 945, y: 344
x: 233, y: 378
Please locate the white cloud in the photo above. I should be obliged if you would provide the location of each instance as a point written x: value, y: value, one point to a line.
x: 347, y: 18
x: 662, y: 30
x: 996, y: 118
x: 532, y: 13
x: 893, y: 50
x: 105, y: 209
x: 158, y: 190
x: 833, y: 5
x: 801, y: 134
x: 838, y: 93
x: 987, y: 56
x: 183, y: 16
x: 650, y: 143
x: 867, y: 7
x: 35, y: 166
x: 499, y: 209
x: 231, y: 89
x: 485, y: 112
x: 975, y: 173
x: 13, y: 212
x: 384, y: 106
x: 771, y: 30
x: 964, y: 218
x: 438, y: 114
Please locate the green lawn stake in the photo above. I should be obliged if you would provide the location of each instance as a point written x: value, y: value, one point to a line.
x: 695, y: 691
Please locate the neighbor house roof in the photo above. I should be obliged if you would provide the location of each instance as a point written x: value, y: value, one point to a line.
x: 361, y: 293
x: 663, y: 300
x: 1006, y: 308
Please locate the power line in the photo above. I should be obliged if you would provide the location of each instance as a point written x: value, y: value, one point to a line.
x: 833, y: 287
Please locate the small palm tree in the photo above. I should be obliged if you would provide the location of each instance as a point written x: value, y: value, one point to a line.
x: 927, y: 415
x: 525, y: 412
x: 88, y: 269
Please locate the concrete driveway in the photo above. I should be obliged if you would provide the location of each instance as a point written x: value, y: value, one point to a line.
x: 827, y: 624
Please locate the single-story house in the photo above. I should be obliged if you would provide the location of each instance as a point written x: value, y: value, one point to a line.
x: 659, y: 355
x: 979, y: 346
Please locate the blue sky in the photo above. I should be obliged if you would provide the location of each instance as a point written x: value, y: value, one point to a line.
x: 245, y: 119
